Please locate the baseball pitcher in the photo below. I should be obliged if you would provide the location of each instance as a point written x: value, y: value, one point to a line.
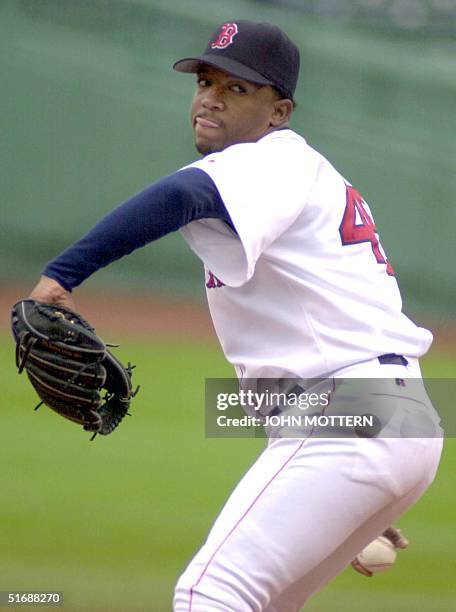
x: 299, y: 287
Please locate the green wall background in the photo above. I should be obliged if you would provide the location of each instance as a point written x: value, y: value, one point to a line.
x: 91, y: 112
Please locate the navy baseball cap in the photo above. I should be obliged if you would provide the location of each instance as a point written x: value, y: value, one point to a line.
x: 256, y: 52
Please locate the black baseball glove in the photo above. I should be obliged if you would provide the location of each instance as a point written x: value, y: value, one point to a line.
x: 70, y: 367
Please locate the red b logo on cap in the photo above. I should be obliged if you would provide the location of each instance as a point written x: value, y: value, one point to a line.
x: 225, y: 38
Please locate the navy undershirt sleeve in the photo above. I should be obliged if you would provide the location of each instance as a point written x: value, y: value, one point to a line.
x: 163, y: 207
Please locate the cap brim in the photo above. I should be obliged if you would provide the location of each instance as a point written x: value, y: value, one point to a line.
x: 193, y: 65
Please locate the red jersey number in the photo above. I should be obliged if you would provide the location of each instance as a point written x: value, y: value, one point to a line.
x: 352, y: 232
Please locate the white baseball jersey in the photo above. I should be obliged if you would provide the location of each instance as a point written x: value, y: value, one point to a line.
x: 304, y: 288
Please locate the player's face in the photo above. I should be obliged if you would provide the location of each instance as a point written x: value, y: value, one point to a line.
x: 227, y: 110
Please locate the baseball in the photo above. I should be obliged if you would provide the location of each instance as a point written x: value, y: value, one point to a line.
x: 378, y: 556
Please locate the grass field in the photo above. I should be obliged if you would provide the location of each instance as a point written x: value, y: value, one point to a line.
x: 113, y: 522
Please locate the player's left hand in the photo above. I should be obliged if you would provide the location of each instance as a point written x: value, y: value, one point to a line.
x: 49, y: 291
x: 70, y: 366
x: 397, y: 540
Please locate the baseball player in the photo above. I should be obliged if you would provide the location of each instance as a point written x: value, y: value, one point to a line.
x: 298, y: 287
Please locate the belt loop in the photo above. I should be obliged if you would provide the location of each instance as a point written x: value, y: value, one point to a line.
x: 393, y: 359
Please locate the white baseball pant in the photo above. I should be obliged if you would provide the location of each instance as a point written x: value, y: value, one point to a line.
x: 306, y: 508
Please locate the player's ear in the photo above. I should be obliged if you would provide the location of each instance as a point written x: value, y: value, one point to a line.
x: 281, y: 112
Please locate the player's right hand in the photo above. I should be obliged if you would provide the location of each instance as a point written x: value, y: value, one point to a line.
x: 49, y: 291
x: 397, y: 540
x: 395, y: 537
